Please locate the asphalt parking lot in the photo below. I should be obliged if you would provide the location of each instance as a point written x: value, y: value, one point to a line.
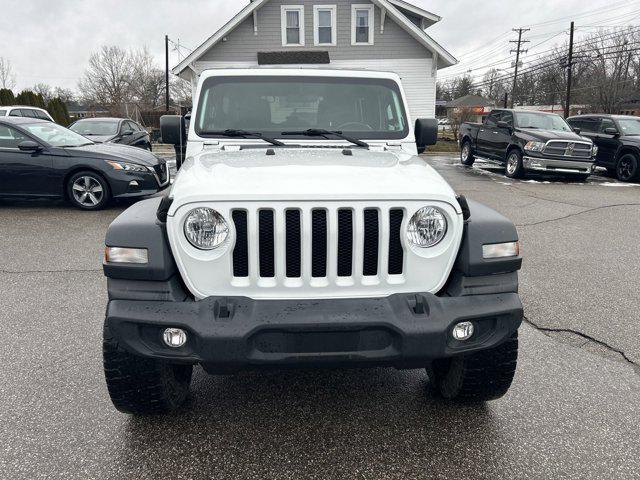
x: 571, y: 413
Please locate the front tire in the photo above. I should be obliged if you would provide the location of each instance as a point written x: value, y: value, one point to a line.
x: 88, y: 190
x: 627, y: 168
x: 478, y: 377
x: 466, y: 154
x: 514, y: 167
x: 143, y: 386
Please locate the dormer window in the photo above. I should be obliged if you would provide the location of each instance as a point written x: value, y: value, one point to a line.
x: 292, y: 21
x: 324, y: 25
x: 362, y: 24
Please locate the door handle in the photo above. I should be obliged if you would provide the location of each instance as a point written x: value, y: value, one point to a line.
x: 482, y: 130
x: 495, y: 133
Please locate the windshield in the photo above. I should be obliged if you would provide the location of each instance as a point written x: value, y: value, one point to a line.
x: 359, y: 107
x: 92, y: 127
x: 629, y: 126
x: 543, y: 121
x: 55, y: 135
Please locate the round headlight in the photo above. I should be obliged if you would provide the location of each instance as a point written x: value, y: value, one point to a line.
x: 427, y: 227
x: 205, y: 228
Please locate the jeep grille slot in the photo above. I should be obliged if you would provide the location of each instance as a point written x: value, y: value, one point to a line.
x: 241, y: 248
x: 266, y: 244
x: 396, y: 255
x: 371, y: 239
x: 345, y: 243
x: 318, y: 243
x: 293, y: 243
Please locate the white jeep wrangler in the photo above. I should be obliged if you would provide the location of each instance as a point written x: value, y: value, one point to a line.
x: 303, y: 230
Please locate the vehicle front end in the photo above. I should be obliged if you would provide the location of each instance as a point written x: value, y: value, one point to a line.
x: 574, y: 156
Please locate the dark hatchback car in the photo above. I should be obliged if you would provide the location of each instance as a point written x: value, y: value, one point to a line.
x: 43, y: 159
x: 113, y: 130
x: 618, y: 140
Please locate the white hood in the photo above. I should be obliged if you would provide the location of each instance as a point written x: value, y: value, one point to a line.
x: 308, y: 174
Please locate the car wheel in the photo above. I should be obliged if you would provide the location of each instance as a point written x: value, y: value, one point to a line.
x: 627, y: 168
x: 142, y: 386
x: 514, y: 168
x: 466, y: 155
x: 477, y: 377
x: 88, y: 190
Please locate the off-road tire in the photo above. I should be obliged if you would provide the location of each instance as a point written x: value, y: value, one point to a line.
x: 628, y: 168
x: 466, y: 154
x: 513, y: 166
x: 143, y: 386
x: 478, y: 377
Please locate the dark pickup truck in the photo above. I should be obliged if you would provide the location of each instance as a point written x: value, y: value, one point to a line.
x: 525, y: 141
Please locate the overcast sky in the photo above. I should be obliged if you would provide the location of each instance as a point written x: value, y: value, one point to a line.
x: 51, y: 40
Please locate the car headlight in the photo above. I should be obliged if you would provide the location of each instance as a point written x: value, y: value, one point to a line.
x: 205, y: 228
x: 427, y: 227
x: 127, y: 167
x: 535, y: 146
x: 594, y: 151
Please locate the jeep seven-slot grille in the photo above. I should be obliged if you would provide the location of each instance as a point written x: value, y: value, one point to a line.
x: 346, y: 235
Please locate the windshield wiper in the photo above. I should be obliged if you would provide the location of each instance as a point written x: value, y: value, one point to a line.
x: 320, y: 132
x: 243, y: 134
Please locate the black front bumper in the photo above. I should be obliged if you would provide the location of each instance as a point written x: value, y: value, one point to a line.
x: 403, y: 330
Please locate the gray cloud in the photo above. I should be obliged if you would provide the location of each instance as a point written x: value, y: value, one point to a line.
x: 50, y: 41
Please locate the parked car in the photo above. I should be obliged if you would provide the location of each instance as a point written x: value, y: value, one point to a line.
x: 525, y: 141
x: 267, y: 253
x: 43, y: 159
x: 113, y: 130
x: 618, y: 141
x: 25, y: 111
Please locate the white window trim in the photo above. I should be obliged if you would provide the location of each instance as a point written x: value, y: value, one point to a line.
x: 372, y: 22
x: 283, y: 24
x: 316, y: 25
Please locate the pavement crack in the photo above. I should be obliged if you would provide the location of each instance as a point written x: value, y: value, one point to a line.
x: 588, y: 338
x: 575, y: 214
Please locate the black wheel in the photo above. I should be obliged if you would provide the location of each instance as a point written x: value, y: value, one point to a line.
x: 88, y: 190
x: 627, y: 168
x: 478, y: 377
x: 143, y: 386
x: 514, y: 168
x: 466, y: 154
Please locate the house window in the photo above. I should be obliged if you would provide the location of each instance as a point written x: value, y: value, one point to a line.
x: 362, y: 24
x: 324, y: 24
x: 292, y: 25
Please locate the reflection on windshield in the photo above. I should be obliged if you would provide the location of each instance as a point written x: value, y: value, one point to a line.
x: 543, y: 121
x: 629, y: 126
x: 97, y: 128
x: 56, y: 135
x: 359, y: 107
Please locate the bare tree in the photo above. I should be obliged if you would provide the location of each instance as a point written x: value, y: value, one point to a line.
x: 107, y: 79
x: 147, y: 81
x: 45, y: 90
x: 64, y: 94
x: 181, y: 92
x: 7, y: 77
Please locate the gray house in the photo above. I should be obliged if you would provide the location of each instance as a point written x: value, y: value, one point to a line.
x: 387, y: 35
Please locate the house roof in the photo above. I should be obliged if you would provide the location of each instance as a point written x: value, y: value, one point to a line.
x: 470, y: 101
x: 430, y: 17
x: 445, y: 59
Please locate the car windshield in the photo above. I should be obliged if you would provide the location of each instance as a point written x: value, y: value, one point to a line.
x: 629, y: 126
x: 358, y: 107
x: 543, y: 121
x: 95, y: 128
x: 55, y: 135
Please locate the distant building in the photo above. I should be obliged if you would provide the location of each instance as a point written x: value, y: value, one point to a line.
x: 475, y: 105
x: 630, y: 108
x: 78, y: 111
x: 559, y: 109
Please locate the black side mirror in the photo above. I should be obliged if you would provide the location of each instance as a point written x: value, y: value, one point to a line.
x: 29, y: 146
x: 576, y: 130
x: 504, y: 125
x: 172, y: 129
x: 611, y: 131
x: 426, y: 132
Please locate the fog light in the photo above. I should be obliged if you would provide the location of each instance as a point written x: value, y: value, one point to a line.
x: 463, y: 331
x: 174, y: 337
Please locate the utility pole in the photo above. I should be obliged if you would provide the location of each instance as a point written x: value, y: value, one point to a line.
x: 166, y: 71
x: 567, y: 104
x: 506, y: 100
x: 517, y: 51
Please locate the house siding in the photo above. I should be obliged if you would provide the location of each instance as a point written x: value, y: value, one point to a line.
x: 242, y: 44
